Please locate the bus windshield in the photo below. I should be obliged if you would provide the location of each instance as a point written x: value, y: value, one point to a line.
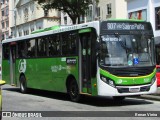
x: 126, y: 50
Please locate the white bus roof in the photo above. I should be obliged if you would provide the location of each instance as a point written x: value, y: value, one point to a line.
x: 94, y: 24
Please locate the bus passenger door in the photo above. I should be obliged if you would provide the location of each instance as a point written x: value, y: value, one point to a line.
x: 12, y: 60
x: 85, y: 62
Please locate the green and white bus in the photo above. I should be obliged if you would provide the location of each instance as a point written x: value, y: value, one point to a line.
x: 100, y: 58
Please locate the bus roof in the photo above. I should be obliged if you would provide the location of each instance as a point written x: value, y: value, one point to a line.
x: 127, y: 20
x: 59, y: 29
x: 54, y: 30
x: 56, y: 27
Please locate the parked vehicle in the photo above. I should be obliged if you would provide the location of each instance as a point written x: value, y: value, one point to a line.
x: 1, y: 83
x: 0, y: 70
x: 158, y: 75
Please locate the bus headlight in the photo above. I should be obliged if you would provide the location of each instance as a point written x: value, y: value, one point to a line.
x: 108, y: 81
x: 153, y: 80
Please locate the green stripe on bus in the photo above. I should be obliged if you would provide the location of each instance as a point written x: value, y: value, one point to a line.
x: 126, y: 20
x: 129, y: 80
x: 84, y: 30
x: 46, y: 29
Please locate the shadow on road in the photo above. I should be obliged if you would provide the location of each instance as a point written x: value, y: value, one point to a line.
x: 88, y: 100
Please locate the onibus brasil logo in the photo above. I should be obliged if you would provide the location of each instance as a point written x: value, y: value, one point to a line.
x: 22, y: 66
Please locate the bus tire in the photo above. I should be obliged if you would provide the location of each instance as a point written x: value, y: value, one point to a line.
x: 118, y: 98
x: 73, y: 91
x: 23, y: 84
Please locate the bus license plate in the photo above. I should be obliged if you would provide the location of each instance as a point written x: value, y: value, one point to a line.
x: 134, y: 89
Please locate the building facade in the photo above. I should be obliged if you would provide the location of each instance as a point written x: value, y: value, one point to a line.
x: 112, y: 9
x: 4, y: 19
x: 104, y: 10
x: 29, y: 16
x: 148, y: 10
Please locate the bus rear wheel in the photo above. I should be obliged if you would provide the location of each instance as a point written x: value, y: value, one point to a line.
x: 23, y: 84
x: 73, y: 91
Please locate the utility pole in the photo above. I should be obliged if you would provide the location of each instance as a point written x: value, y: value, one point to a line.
x: 0, y: 24
x: 15, y: 25
x: 94, y: 10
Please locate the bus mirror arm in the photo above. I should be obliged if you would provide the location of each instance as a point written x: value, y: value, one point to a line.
x: 98, y: 48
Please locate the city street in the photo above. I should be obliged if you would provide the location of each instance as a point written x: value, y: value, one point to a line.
x: 37, y: 100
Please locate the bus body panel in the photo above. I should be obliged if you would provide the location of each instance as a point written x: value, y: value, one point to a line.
x: 47, y: 73
x: 106, y: 90
x: 6, y: 71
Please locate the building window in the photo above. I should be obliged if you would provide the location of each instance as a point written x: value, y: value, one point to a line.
x: 7, y: 1
x: 7, y: 24
x: 82, y: 19
x: 20, y: 34
x: 7, y: 12
x: 138, y: 15
x: 26, y: 15
x: 3, y: 13
x: 7, y: 35
x: 2, y: 1
x: 32, y: 29
x: 157, y: 15
x: 89, y: 13
x: 109, y: 9
x: 3, y: 36
x: 3, y: 25
x: 26, y: 32
x: 98, y: 12
x: 45, y: 12
x: 65, y: 20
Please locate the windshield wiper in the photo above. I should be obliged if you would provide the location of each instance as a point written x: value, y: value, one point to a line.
x: 121, y: 43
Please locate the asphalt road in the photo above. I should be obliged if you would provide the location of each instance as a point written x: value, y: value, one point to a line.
x: 58, y: 104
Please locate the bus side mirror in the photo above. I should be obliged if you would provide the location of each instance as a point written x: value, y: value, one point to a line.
x: 2, y: 82
x: 97, y: 48
x: 103, y: 47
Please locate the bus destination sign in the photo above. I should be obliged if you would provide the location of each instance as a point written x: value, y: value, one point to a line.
x: 124, y: 26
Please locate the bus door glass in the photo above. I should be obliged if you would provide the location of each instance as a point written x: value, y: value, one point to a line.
x: 12, y: 62
x: 85, y: 40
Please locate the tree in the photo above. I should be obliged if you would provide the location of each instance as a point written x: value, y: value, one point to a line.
x: 74, y: 8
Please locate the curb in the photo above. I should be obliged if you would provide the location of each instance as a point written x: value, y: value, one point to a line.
x: 155, y: 96
x: 150, y: 97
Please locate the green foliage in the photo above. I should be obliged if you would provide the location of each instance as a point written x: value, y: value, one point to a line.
x: 74, y: 8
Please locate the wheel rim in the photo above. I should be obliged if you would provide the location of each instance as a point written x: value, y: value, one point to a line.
x: 22, y: 84
x: 73, y: 90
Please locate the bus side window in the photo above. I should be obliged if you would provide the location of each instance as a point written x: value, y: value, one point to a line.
x: 69, y: 43
x: 31, y: 48
x: 53, y: 43
x: 21, y: 49
x: 41, y: 48
x: 5, y: 51
x: 72, y: 43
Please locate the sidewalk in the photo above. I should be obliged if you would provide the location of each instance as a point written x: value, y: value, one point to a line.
x: 155, y: 96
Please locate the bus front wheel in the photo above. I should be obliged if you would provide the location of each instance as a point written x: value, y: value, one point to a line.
x: 23, y: 84
x: 73, y: 91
